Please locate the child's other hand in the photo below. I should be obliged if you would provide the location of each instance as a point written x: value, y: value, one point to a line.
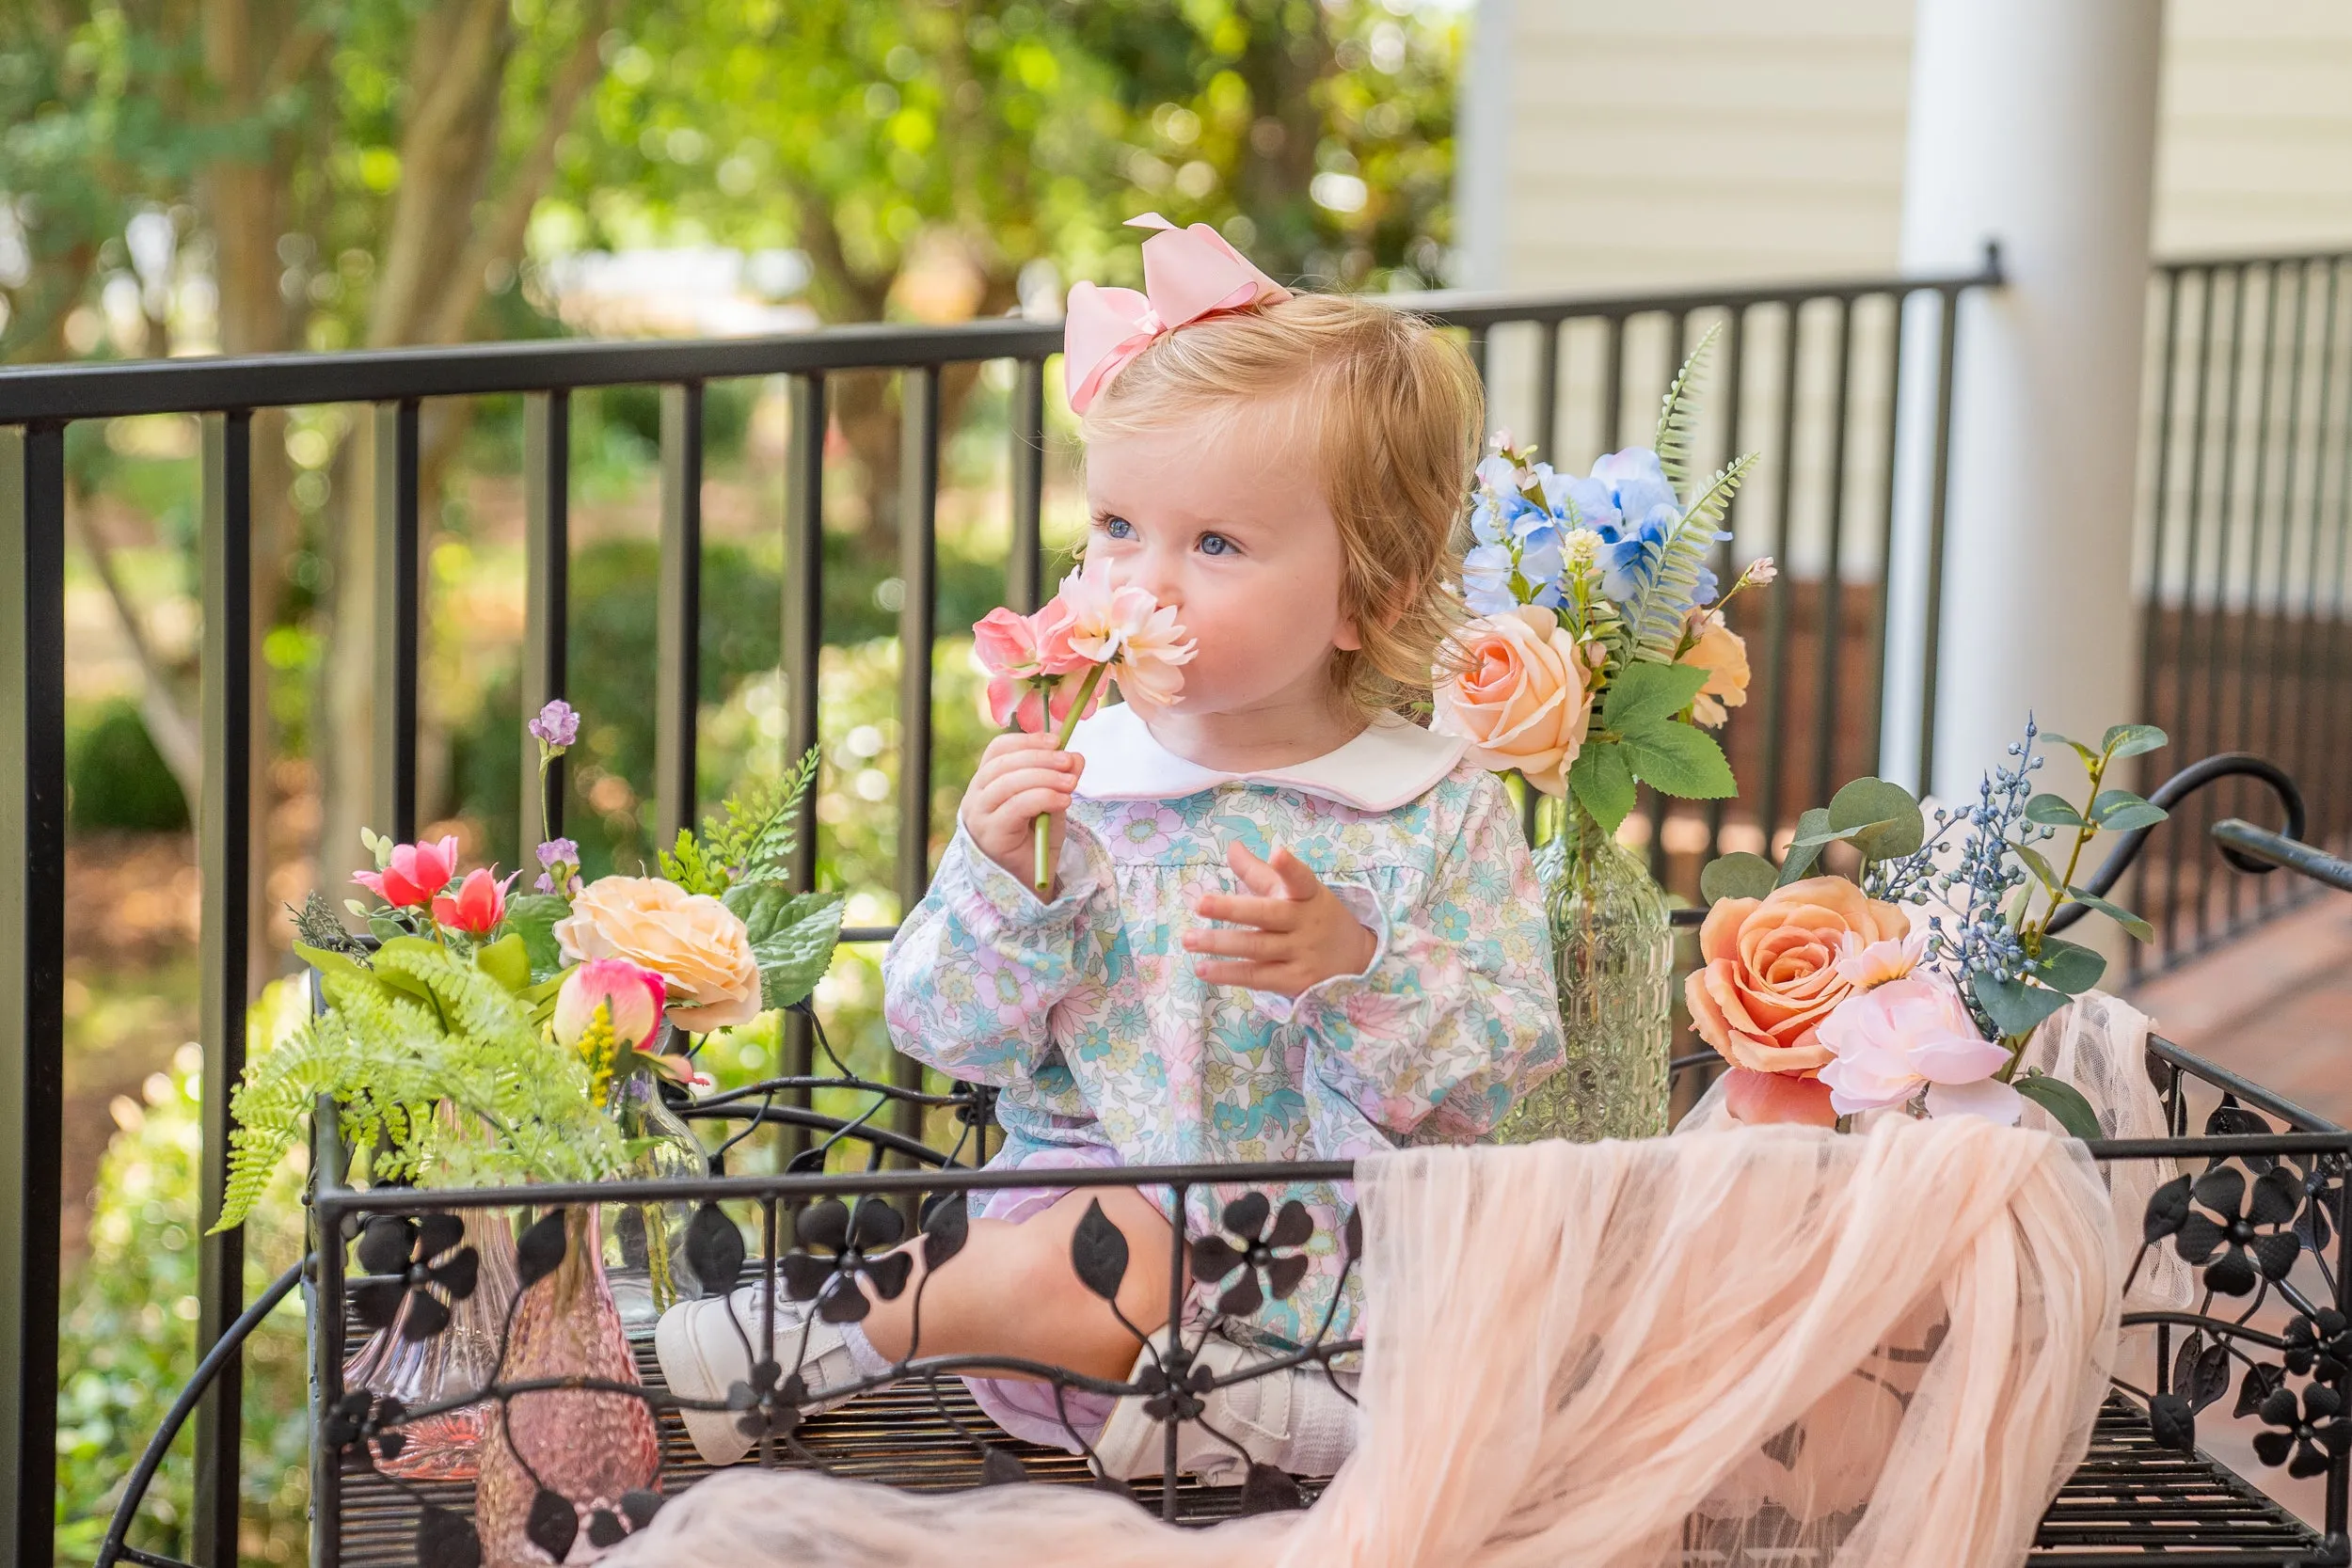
x: 1020, y: 778
x: 1301, y: 933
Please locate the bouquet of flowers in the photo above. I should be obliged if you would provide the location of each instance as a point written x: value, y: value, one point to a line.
x: 523, y: 1018
x: 1829, y: 998
x: 1048, y: 668
x: 1599, y: 654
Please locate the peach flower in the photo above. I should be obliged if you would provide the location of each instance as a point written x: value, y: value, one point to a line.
x: 1724, y: 655
x: 1522, y: 696
x: 695, y: 943
x: 1770, y: 970
x: 1122, y: 625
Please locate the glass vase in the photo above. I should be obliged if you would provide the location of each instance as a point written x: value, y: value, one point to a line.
x: 644, y: 1253
x: 455, y: 1362
x: 1613, y: 950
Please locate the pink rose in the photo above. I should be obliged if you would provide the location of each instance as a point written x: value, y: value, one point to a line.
x: 1522, y: 696
x: 1770, y: 970
x: 417, y: 872
x: 1018, y: 652
x: 1893, y: 1040
x: 480, y: 904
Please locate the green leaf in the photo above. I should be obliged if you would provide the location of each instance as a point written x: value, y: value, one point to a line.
x: 2116, y: 912
x: 2040, y: 866
x: 2068, y: 966
x: 397, y: 977
x: 2013, y: 1006
x: 1884, y: 820
x: 2063, y: 1102
x: 2120, y: 811
x: 792, y: 936
x: 532, y: 917
x: 1643, y: 697
x: 2052, y: 810
x: 1602, y: 777
x: 1682, y: 761
x: 2091, y: 758
x: 1812, y: 831
x: 1738, y: 875
x: 2132, y: 740
x: 506, y: 961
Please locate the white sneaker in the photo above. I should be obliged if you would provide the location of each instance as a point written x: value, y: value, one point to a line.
x: 706, y: 1347
x: 1294, y: 1419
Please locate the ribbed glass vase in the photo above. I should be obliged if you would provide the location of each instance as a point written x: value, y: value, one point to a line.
x: 1613, y: 949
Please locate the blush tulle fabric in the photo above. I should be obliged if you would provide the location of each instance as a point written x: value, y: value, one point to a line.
x: 1743, y: 1348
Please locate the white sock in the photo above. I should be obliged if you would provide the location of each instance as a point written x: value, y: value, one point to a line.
x: 1322, y: 1423
x: 868, y: 1361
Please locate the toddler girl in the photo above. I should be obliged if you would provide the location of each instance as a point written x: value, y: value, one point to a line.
x: 1286, y: 924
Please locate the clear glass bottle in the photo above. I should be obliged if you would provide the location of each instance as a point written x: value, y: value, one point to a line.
x: 1613, y: 949
x: 645, y: 1246
x: 455, y: 1362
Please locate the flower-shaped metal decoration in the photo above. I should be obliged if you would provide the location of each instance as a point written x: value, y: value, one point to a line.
x: 2236, y: 1238
x: 420, y: 1261
x: 2320, y: 1344
x: 2308, y: 1435
x: 361, y: 1418
x: 1262, y: 1254
x: 2323, y: 1203
x: 837, y: 1247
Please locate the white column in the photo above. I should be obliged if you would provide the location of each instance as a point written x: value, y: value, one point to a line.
x: 2032, y: 124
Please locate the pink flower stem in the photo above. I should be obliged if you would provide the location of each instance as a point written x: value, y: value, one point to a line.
x: 1043, y: 870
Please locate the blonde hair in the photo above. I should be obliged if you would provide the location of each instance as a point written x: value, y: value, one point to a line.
x: 1392, y: 411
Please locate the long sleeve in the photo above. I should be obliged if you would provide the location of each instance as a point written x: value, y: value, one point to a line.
x: 1457, y: 1013
x: 978, y: 967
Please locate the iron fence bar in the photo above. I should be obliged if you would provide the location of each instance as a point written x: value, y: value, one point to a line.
x: 2278, y: 848
x: 77, y: 391
x: 2256, y: 506
x: 2275, y: 619
x: 1939, y: 511
x: 1546, y: 390
x: 1832, y: 640
x: 1476, y: 344
x: 677, y: 641
x: 324, y: 1314
x: 2217, y: 620
x: 1024, y: 569
x: 1874, y: 715
x: 397, y: 585
x: 2184, y: 699
x: 803, y: 639
x: 1613, y: 382
x: 2338, y: 713
x: 2152, y: 640
x: 225, y: 845
x: 1726, y: 553
x: 32, y: 975
x: 547, y: 610
x: 1776, y: 607
x: 918, y: 561
x: 2323, y: 785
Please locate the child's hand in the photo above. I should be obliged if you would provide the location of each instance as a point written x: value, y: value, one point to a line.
x: 1020, y: 777
x: 1303, y: 934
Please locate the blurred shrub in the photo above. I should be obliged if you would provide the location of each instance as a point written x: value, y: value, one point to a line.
x: 114, y: 777
x: 127, y: 1341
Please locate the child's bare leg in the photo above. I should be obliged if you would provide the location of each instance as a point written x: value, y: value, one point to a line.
x: 1011, y: 1292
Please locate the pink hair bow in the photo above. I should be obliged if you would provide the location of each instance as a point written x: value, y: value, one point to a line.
x: 1187, y: 274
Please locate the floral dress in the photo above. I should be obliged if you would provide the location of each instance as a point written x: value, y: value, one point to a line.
x: 1110, y: 1048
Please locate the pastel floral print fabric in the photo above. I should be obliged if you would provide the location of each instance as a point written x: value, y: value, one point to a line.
x: 1111, y: 1051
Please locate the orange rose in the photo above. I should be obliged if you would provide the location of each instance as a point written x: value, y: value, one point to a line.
x: 1522, y: 696
x: 1770, y: 970
x: 695, y: 943
x: 1721, y: 653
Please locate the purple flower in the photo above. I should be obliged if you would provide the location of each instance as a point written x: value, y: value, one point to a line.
x: 560, y: 857
x: 557, y: 726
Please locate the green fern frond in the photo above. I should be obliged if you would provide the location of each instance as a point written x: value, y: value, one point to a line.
x: 1655, y: 616
x: 752, y: 832
x: 1676, y: 418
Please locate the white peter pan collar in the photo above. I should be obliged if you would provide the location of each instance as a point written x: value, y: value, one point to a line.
x: 1392, y: 762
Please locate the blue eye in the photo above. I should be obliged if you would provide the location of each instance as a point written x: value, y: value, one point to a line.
x: 1216, y: 543
x: 1118, y: 528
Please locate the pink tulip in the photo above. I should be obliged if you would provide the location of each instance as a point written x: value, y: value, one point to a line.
x: 480, y: 904
x: 634, y: 997
x: 417, y: 874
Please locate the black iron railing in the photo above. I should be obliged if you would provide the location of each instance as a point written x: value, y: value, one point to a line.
x: 1605, y: 358
x: 2245, y: 559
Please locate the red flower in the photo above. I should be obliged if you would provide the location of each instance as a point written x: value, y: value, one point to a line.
x: 417, y: 872
x: 480, y: 904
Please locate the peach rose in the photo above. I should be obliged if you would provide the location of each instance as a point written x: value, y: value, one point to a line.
x: 1771, y: 971
x: 695, y: 943
x: 1522, y: 697
x: 1724, y: 655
